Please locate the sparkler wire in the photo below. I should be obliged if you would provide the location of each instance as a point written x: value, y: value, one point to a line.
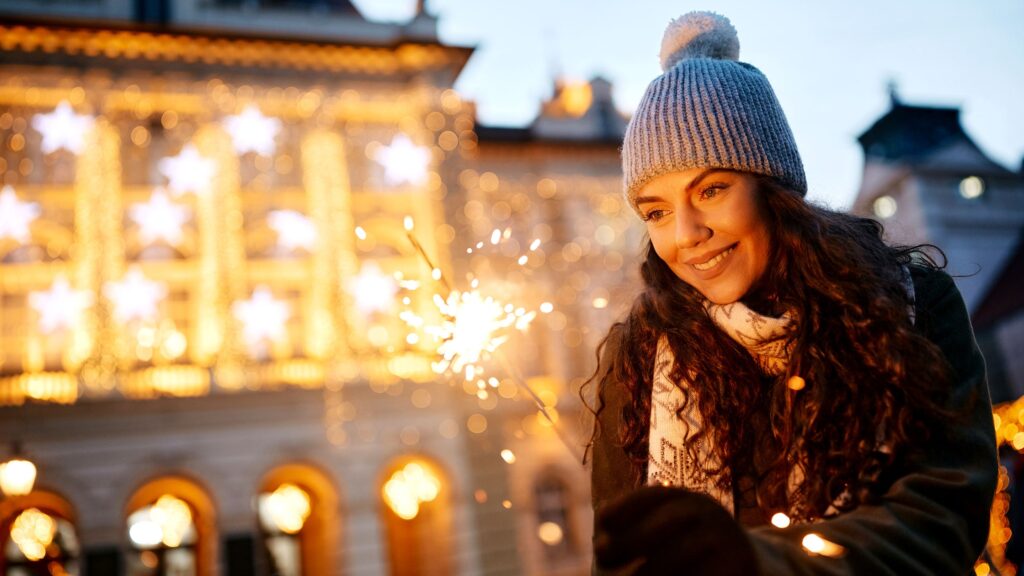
x: 503, y: 360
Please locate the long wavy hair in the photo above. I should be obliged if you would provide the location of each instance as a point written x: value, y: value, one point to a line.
x: 873, y: 383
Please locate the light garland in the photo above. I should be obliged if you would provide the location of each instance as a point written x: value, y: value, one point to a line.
x: 16, y: 216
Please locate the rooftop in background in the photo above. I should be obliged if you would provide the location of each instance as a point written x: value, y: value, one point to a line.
x: 576, y: 113
x: 923, y: 136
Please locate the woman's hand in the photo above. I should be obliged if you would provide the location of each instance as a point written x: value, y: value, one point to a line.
x: 672, y: 531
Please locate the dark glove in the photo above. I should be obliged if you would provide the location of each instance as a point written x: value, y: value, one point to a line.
x: 658, y: 530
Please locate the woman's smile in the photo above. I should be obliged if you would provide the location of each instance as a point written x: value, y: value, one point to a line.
x: 707, y: 225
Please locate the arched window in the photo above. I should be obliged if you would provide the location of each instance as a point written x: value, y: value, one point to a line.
x: 297, y: 508
x: 415, y: 494
x: 555, y: 523
x: 37, y: 536
x: 170, y: 525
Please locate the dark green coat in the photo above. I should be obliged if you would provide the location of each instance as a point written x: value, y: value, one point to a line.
x: 933, y: 520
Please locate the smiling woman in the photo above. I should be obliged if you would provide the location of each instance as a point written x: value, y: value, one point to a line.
x: 789, y: 394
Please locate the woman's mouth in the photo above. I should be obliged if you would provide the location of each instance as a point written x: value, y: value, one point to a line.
x: 714, y: 261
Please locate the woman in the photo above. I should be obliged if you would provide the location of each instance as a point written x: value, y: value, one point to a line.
x: 781, y: 363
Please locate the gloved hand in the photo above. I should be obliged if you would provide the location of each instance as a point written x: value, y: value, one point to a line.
x: 660, y: 530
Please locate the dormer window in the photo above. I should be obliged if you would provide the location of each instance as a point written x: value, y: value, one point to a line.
x: 972, y: 187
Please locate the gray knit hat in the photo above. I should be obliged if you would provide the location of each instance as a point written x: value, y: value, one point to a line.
x: 708, y: 110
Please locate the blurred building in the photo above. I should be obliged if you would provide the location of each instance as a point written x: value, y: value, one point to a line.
x: 204, y: 258
x: 929, y: 183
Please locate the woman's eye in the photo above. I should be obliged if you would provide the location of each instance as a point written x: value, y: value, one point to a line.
x: 711, y: 191
x: 654, y: 215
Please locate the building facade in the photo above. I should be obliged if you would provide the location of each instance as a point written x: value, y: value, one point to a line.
x: 223, y: 226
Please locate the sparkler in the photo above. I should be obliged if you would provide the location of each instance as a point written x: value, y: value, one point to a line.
x: 474, y: 326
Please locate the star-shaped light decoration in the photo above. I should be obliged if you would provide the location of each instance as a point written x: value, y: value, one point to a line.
x: 62, y: 128
x: 188, y: 171
x: 159, y: 219
x: 373, y: 290
x: 403, y: 161
x: 15, y: 216
x: 251, y: 131
x: 135, y: 297
x: 294, y: 230
x: 60, y: 306
x: 262, y: 317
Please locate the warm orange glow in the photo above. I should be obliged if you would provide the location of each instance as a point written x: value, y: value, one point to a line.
x: 17, y: 476
x: 409, y: 487
x: 575, y: 98
x: 33, y: 531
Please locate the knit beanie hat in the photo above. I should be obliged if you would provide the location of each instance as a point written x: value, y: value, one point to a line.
x: 708, y: 110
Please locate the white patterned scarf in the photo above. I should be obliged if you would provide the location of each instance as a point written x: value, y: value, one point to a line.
x: 669, y: 462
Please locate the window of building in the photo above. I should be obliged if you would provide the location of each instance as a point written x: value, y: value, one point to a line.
x: 972, y: 187
x: 38, y: 536
x: 553, y: 503
x: 170, y: 528
x: 298, y: 523
x: 417, y: 517
x: 164, y: 537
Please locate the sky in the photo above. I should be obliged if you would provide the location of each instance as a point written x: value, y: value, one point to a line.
x: 830, y: 63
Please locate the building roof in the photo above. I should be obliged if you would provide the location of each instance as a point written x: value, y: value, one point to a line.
x: 922, y: 136
x: 1005, y: 295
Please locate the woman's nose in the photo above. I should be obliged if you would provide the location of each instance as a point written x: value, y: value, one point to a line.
x: 691, y: 229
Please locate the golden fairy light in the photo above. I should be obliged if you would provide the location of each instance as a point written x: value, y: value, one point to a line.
x: 780, y: 520
x: 815, y: 544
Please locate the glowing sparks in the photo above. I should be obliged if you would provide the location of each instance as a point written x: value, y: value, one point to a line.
x: 251, y: 131
x: 159, y: 219
x: 262, y: 317
x: 59, y: 307
x: 16, y: 216
x: 373, y: 290
x: 472, y: 327
x: 62, y: 128
x: 294, y: 230
x: 403, y: 161
x: 188, y: 171
x: 135, y: 297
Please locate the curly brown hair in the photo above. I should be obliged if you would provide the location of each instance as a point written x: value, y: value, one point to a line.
x: 873, y: 383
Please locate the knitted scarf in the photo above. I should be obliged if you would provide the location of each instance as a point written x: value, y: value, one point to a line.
x: 675, y: 418
x: 669, y: 462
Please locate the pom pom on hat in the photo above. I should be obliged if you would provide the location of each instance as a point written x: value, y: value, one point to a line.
x: 699, y: 35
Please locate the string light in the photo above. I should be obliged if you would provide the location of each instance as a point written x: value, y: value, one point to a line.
x: 262, y: 317
x: 403, y: 161
x: 294, y: 229
x: 16, y: 216
x: 60, y: 307
x: 62, y: 128
x: 159, y: 219
x: 135, y: 297
x: 188, y: 171
x: 251, y: 131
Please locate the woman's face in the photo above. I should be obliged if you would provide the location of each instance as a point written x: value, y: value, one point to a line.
x: 707, y: 225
